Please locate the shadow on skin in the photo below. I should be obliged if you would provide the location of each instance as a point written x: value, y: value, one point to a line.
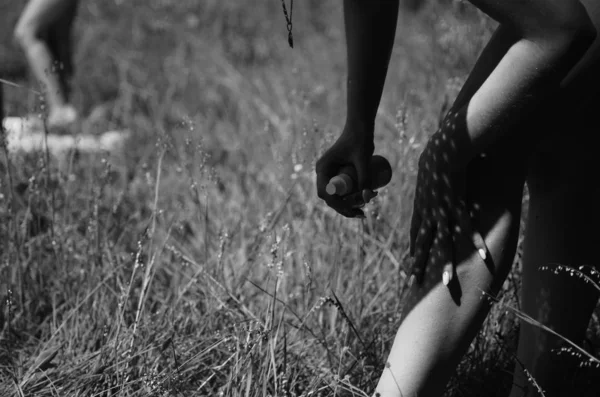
x: 453, y: 207
x: 439, y: 322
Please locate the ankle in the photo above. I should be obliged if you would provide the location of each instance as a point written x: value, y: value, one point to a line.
x: 62, y: 116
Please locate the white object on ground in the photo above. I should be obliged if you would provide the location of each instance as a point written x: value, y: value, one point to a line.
x: 62, y: 116
x: 27, y: 135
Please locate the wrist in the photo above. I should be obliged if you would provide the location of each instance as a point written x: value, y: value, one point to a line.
x: 359, y: 130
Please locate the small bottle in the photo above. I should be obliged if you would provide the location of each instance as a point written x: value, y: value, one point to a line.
x: 344, y: 183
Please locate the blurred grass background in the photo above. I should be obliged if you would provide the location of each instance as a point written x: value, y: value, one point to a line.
x: 199, y: 260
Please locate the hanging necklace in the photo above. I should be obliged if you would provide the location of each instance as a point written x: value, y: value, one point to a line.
x: 288, y: 20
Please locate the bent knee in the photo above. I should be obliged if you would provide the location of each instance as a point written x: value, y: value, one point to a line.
x: 26, y: 33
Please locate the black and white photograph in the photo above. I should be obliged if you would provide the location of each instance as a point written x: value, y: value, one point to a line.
x: 299, y: 198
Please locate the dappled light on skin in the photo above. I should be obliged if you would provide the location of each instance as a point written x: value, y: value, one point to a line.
x: 441, y: 211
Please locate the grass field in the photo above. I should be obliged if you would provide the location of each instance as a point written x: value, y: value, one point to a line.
x: 199, y: 260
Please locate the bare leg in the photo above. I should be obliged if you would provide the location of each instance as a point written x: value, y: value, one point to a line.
x: 561, y: 229
x: 61, y: 46
x: 439, y: 328
x: 437, y: 331
x: 31, y: 31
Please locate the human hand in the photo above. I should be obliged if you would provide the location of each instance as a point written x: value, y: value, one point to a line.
x: 441, y: 212
x: 353, y: 148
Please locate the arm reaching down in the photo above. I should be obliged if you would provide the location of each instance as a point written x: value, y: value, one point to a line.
x: 370, y: 30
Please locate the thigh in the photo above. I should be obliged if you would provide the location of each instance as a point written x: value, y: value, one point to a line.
x: 563, y: 165
x: 62, y: 27
x: 41, y: 15
x: 563, y: 217
x: 563, y: 161
x: 59, y: 37
x: 561, y: 236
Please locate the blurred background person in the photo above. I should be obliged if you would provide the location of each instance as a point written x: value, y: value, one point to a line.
x: 44, y: 32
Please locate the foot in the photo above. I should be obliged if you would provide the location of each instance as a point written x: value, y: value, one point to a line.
x: 62, y: 117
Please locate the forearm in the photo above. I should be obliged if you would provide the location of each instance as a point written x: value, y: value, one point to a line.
x: 529, y: 74
x: 500, y: 42
x: 370, y: 30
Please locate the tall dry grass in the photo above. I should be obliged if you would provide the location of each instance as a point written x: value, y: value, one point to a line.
x: 199, y: 261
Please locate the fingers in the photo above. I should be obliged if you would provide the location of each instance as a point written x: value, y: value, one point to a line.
x: 368, y: 195
x: 359, y: 199
x: 433, y: 244
x: 479, y: 244
x: 415, y: 225
x: 362, y: 173
x: 442, y: 251
x: 417, y: 218
x: 326, y: 170
x: 445, y: 247
x: 351, y: 212
x: 346, y: 206
x: 432, y: 241
x: 349, y: 205
x: 423, y: 244
x: 465, y: 227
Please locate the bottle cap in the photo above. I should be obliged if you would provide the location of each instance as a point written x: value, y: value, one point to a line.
x: 340, y: 184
